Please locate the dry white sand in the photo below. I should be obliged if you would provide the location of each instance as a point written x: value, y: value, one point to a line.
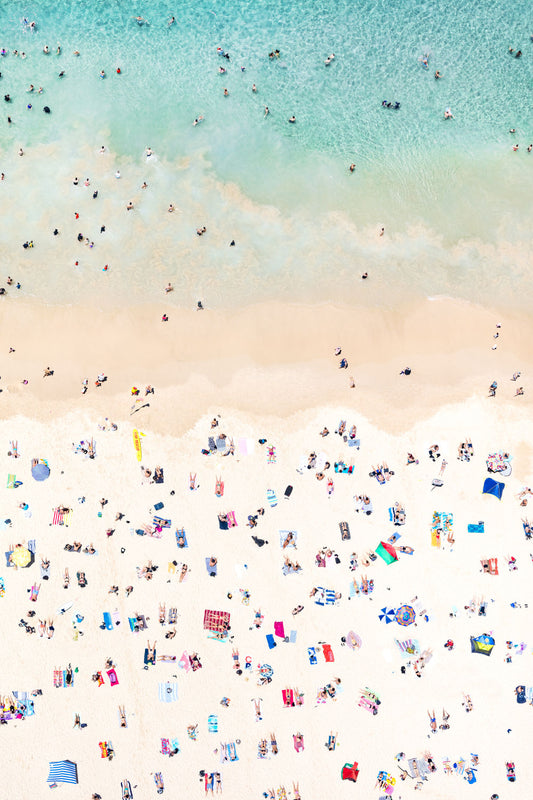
x: 441, y: 578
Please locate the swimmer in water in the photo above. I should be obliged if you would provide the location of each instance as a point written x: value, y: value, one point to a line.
x: 292, y: 119
x: 448, y: 114
x: 267, y: 111
x: 171, y: 21
x: 437, y: 75
x: 102, y: 73
x: 46, y: 49
x: 197, y: 121
x: 149, y: 152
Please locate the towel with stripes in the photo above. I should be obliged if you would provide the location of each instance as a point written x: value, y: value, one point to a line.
x: 168, y: 692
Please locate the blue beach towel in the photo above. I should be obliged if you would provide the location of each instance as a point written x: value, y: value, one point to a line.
x: 180, y: 534
x: 270, y: 641
x: 271, y: 497
x: 108, y: 622
x: 211, y: 570
x: 168, y: 692
x: 479, y: 528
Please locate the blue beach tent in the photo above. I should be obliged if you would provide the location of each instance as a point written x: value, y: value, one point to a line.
x: 493, y: 487
x: 62, y: 772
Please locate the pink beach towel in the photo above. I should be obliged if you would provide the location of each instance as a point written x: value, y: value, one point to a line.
x: 279, y: 629
x: 112, y: 675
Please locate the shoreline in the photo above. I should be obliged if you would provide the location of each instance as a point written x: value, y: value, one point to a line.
x: 259, y: 358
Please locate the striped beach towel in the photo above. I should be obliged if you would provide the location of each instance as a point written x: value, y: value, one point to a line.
x: 58, y: 678
x: 62, y: 517
x: 162, y: 523
x: 165, y: 747
x: 168, y: 692
x: 329, y: 596
x: 232, y: 522
x: 271, y: 497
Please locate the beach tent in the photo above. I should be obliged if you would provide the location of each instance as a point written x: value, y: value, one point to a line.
x: 387, y: 552
x: 493, y: 487
x: 62, y: 772
x: 350, y: 772
x: 482, y: 644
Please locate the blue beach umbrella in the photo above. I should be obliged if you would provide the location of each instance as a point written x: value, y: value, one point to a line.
x: 40, y: 471
x: 387, y: 615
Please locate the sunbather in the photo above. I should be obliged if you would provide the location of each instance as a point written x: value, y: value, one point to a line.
x: 122, y: 715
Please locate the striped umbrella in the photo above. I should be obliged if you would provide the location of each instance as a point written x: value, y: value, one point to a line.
x: 405, y: 615
x: 387, y: 615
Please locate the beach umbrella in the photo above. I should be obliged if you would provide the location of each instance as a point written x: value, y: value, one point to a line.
x: 387, y: 552
x: 482, y: 644
x: 387, y: 615
x: 405, y: 615
x: 40, y: 471
x: 21, y: 556
x: 62, y: 772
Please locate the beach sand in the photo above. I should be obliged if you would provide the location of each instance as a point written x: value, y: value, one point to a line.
x: 280, y: 383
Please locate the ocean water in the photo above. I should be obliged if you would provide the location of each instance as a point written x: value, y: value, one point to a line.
x: 454, y: 199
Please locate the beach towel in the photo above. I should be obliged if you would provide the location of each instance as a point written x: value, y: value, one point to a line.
x: 232, y: 522
x: 328, y: 653
x: 354, y: 443
x: 174, y: 745
x: 216, y: 620
x: 112, y: 675
x: 311, y: 652
x: 165, y: 747
x: 115, y: 616
x: 345, y: 531
x: 271, y: 497
x: 283, y: 535
x: 211, y: 568
x: 58, y: 678
x: 8, y: 555
x: 212, y: 445
x: 158, y: 506
x: 149, y: 659
x: 246, y: 446
x: 108, y: 622
x: 168, y: 692
x: 221, y: 444
x: 476, y: 528
x: 329, y: 596
x: 103, y: 749
x: 11, y: 480
x: 2, y: 587
x: 212, y: 723
x: 184, y: 662
x: 161, y: 523
x: 292, y: 637
x: 279, y: 629
x: 181, y: 536
x: 132, y: 622
x: 271, y: 455
x: 270, y: 641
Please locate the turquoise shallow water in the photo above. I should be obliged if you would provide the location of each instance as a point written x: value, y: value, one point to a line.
x: 453, y: 197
